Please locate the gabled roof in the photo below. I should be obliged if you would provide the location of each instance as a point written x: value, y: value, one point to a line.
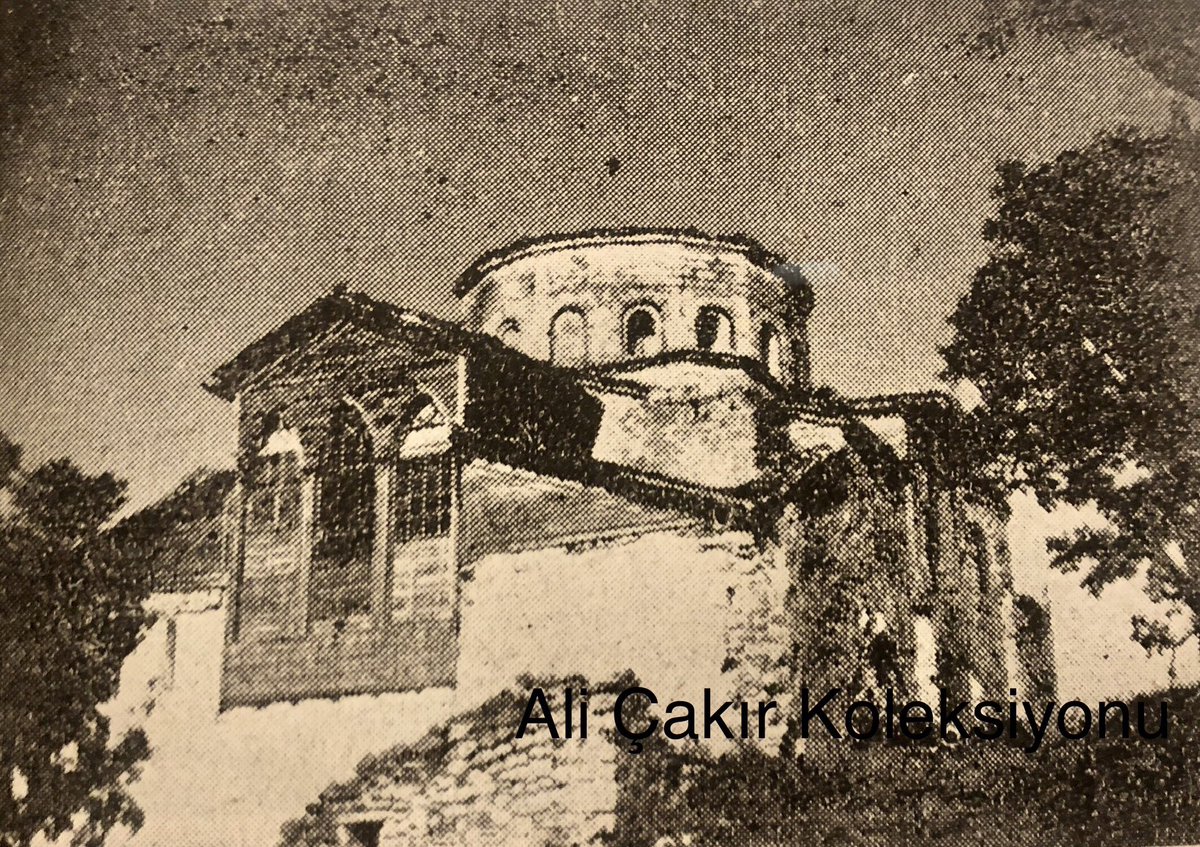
x: 337, y: 317
x: 333, y: 313
x: 178, y: 539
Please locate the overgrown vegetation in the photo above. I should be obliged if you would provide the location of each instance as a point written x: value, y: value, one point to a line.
x: 1082, y: 334
x: 70, y: 612
x: 1092, y: 792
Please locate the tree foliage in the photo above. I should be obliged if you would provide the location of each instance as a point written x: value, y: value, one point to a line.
x: 1080, y: 332
x: 70, y: 612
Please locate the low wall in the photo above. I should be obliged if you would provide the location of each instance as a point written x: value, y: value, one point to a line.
x: 469, y: 781
x: 683, y: 610
x: 230, y: 779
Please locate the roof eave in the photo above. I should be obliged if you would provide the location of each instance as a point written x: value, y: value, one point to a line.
x: 753, y: 250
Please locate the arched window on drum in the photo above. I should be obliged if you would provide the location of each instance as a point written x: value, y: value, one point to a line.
x: 569, y: 337
x: 643, y: 331
x: 769, y: 348
x: 714, y: 330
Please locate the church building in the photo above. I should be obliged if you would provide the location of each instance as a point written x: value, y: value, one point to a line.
x: 618, y: 462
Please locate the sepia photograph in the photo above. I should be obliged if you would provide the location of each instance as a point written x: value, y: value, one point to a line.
x: 599, y: 423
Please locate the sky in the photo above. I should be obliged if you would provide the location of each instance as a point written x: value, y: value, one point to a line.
x: 177, y: 178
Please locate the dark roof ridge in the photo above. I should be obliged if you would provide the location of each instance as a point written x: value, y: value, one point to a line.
x: 750, y: 365
x: 326, y: 312
x: 905, y: 400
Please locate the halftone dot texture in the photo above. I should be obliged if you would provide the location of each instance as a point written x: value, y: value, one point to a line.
x: 176, y: 179
x: 179, y: 178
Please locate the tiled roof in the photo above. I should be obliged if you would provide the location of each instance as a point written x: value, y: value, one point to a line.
x: 338, y: 310
x: 179, y: 539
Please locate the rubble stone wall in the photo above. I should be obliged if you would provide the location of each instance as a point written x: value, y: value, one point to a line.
x: 469, y: 781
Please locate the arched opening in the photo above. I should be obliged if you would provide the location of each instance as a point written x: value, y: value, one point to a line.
x: 1034, y: 635
x: 643, y: 336
x: 883, y: 663
x: 508, y: 330
x: 568, y: 337
x: 422, y: 510
x: 976, y: 553
x: 425, y: 429
x: 714, y: 330
x: 424, y: 475
x: 925, y: 671
x: 344, y: 521
x: 769, y: 348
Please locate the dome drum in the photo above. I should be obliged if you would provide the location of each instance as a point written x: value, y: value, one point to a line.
x: 599, y: 299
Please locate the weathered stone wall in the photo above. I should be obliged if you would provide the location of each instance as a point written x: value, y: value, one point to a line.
x: 684, y: 609
x: 470, y: 781
x: 759, y: 636
x: 593, y: 589
x: 886, y: 591
x: 692, y: 423
x: 553, y: 578
x: 994, y: 654
x: 681, y: 610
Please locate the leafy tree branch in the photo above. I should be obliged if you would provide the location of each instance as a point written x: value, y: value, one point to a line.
x: 1080, y: 331
x: 70, y: 612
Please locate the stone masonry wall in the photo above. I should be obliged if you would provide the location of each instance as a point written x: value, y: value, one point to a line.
x: 758, y: 662
x: 682, y: 609
x: 469, y: 781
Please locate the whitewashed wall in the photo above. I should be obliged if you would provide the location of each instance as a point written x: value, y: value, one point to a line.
x: 1093, y: 652
x: 658, y: 604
